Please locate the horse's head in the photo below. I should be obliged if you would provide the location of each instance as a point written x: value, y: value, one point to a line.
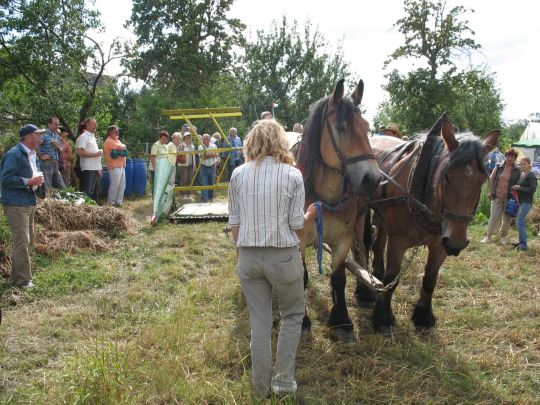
x: 345, y: 144
x: 461, y: 176
x: 336, y: 146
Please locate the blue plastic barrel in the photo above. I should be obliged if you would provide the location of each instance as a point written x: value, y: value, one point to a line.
x: 105, y: 182
x: 129, y: 178
x: 139, y: 177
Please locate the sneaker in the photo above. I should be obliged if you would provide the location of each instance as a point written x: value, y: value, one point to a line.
x: 28, y: 285
x: 521, y: 247
x: 504, y: 240
x: 515, y: 244
x: 278, y: 389
x: 487, y: 239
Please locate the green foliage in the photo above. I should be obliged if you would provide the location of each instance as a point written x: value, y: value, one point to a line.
x: 511, y: 133
x: 46, y: 54
x: 417, y: 98
x: 433, y: 34
x: 290, y: 67
x: 182, y: 44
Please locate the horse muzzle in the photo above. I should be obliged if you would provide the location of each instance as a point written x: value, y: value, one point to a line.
x: 453, y: 249
x: 364, y: 181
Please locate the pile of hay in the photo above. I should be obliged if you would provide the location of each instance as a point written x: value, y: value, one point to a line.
x: 68, y: 228
x: 63, y: 228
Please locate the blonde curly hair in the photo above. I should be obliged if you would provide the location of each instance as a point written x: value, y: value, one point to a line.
x: 267, y: 138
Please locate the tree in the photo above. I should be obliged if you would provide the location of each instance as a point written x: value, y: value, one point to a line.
x: 433, y: 34
x: 182, y: 44
x: 45, y: 54
x: 291, y: 68
x: 436, y: 36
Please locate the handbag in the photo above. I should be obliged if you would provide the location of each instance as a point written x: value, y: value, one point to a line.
x: 512, y: 204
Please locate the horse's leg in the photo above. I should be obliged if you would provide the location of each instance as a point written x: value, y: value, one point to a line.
x: 382, y: 317
x: 364, y: 296
x: 339, y: 321
x: 423, y: 311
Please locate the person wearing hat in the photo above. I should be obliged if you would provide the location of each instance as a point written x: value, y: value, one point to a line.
x: 502, y: 179
x: 186, y: 167
x: 20, y: 176
x: 392, y: 129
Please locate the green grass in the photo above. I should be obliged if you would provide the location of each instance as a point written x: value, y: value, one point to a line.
x: 162, y: 319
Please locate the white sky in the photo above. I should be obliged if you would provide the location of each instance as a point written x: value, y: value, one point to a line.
x: 509, y: 34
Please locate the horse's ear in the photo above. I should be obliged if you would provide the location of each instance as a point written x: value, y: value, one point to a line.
x: 492, y: 139
x: 447, y: 133
x: 358, y: 93
x: 338, y: 92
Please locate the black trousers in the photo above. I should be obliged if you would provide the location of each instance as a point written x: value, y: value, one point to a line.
x: 89, y: 179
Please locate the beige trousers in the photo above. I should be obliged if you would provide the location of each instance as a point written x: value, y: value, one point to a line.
x: 21, y: 222
x: 497, y: 214
x: 261, y: 271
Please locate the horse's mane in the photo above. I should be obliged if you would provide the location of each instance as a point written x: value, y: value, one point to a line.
x: 310, y: 157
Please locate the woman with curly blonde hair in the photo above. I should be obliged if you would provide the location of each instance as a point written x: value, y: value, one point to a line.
x: 267, y: 138
x: 266, y: 209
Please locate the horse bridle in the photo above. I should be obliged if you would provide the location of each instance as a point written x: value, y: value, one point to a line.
x: 343, y: 160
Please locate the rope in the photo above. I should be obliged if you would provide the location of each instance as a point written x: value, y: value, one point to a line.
x: 320, y: 235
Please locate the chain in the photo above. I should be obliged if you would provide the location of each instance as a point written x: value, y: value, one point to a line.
x: 400, y: 275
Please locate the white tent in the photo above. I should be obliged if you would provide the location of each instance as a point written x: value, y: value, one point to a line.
x: 529, y: 145
x: 531, y: 132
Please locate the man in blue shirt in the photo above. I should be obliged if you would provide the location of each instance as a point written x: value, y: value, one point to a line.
x: 20, y: 176
x: 235, y: 156
x: 49, y: 155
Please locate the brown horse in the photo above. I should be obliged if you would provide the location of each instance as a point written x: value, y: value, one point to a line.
x: 436, y: 214
x: 340, y: 171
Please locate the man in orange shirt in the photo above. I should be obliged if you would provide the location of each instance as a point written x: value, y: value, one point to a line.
x: 115, y: 157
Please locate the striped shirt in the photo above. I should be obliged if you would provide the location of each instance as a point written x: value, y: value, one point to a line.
x: 267, y: 202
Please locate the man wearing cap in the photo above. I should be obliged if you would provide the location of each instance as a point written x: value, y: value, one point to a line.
x: 49, y: 155
x: 20, y: 176
x: 90, y: 155
x: 392, y: 129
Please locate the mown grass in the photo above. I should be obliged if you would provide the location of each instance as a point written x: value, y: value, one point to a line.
x: 163, y: 320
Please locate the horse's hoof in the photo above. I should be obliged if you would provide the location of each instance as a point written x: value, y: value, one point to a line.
x: 384, y: 330
x: 383, y: 323
x: 306, y: 323
x: 342, y: 335
x: 423, y: 318
x: 364, y: 296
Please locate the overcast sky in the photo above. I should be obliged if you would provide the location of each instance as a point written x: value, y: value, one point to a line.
x: 508, y: 32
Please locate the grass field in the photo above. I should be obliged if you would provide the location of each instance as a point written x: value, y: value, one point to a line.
x: 162, y: 320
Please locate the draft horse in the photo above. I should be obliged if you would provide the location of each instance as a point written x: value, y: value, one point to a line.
x: 340, y: 171
x: 429, y: 197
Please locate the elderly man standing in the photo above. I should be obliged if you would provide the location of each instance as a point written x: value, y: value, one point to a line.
x: 49, y: 155
x: 235, y: 157
x: 207, y: 171
x: 90, y: 155
x: 19, y: 178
